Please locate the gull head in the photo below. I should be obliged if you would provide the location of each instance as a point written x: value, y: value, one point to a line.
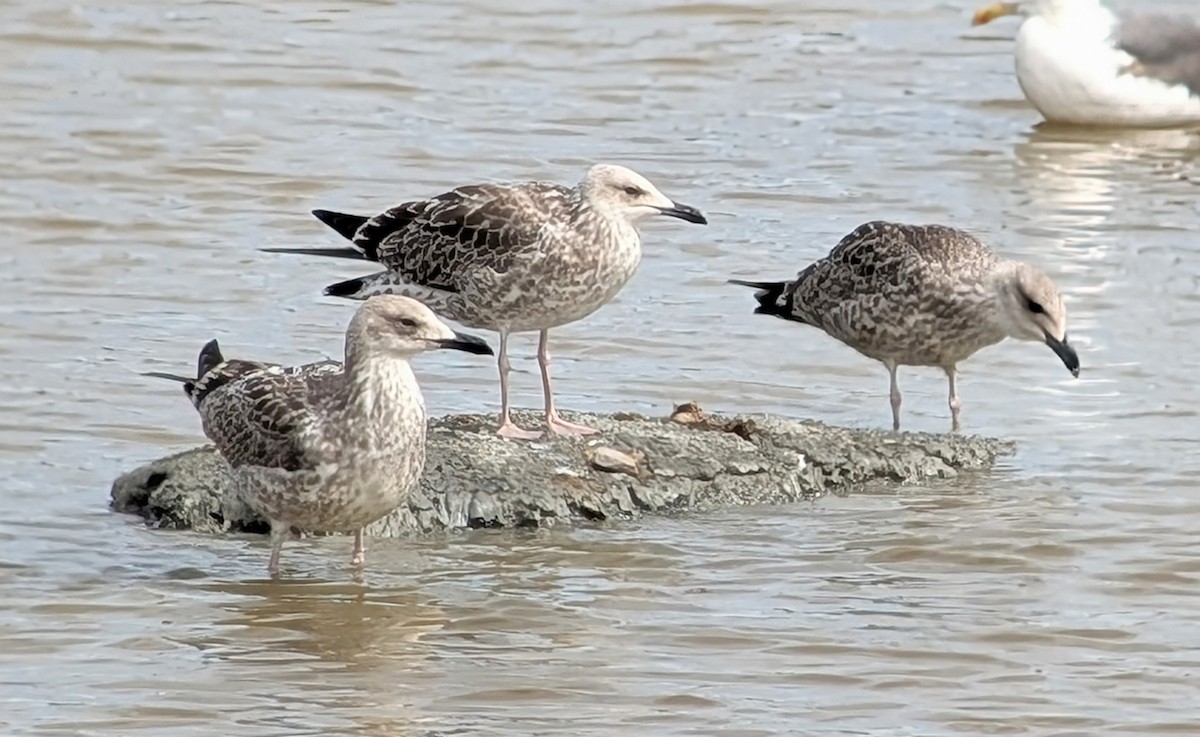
x: 1032, y: 309
x: 619, y: 192
x: 403, y: 327
x: 1045, y: 8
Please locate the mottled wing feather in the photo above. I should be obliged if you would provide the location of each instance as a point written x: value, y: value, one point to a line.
x: 265, y: 415
x: 1166, y: 48
x: 220, y: 375
x: 438, y: 242
x: 884, y: 269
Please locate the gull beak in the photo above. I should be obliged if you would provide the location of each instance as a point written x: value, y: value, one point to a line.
x: 989, y: 13
x: 1064, y: 351
x: 684, y: 212
x: 465, y: 342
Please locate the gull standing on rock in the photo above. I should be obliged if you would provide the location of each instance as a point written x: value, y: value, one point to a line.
x: 508, y: 257
x: 920, y: 295
x: 1078, y: 62
x: 318, y: 447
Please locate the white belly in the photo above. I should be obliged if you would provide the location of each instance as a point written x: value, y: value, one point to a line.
x: 1075, y: 78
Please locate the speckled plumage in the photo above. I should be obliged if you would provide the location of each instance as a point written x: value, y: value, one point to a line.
x: 920, y: 295
x: 322, y: 448
x: 513, y: 257
x: 508, y: 257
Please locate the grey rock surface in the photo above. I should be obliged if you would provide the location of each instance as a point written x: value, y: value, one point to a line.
x: 639, y: 465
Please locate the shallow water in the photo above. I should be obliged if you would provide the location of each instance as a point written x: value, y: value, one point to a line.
x: 150, y: 148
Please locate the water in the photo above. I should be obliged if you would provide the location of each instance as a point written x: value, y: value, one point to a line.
x: 150, y: 148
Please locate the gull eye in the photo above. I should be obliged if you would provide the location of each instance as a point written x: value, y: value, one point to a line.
x: 633, y: 191
x: 408, y: 322
x: 1034, y: 307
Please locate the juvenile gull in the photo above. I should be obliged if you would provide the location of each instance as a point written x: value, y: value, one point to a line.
x: 920, y: 295
x: 512, y: 258
x: 320, y: 448
x: 1080, y: 63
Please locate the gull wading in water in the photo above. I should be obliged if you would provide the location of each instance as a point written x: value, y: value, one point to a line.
x: 318, y: 447
x: 1078, y: 62
x: 512, y: 258
x: 920, y: 295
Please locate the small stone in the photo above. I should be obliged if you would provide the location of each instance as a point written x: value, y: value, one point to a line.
x: 611, y: 460
x: 688, y: 413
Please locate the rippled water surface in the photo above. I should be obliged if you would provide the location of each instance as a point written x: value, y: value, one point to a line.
x: 149, y: 148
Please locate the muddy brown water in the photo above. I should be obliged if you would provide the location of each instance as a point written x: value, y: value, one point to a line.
x: 149, y: 148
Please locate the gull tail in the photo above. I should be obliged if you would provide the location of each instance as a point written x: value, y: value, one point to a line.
x: 385, y: 282
x: 768, y: 296
x: 210, y: 357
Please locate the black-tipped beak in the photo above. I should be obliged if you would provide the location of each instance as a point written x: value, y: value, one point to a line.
x: 1063, y: 350
x: 468, y: 343
x: 684, y: 212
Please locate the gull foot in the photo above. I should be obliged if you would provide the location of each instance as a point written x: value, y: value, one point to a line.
x: 511, y: 431
x: 556, y: 425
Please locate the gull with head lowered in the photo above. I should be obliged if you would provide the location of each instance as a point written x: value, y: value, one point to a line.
x: 920, y: 295
x: 519, y: 257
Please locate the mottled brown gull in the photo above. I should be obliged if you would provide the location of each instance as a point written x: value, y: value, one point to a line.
x: 920, y: 295
x: 1078, y: 62
x: 512, y: 258
x: 319, y: 448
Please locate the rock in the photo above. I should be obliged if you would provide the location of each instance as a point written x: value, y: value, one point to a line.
x: 636, y: 466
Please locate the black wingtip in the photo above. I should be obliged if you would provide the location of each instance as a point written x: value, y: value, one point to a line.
x: 189, y: 385
x: 344, y: 252
x: 169, y: 377
x: 767, y: 296
x: 345, y: 224
x: 756, y: 284
x: 349, y: 288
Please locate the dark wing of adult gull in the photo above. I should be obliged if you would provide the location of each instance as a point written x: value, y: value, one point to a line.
x: 1165, y: 47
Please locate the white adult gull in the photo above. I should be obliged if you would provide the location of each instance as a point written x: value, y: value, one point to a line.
x: 324, y: 447
x: 920, y: 295
x: 1079, y: 63
x: 513, y: 258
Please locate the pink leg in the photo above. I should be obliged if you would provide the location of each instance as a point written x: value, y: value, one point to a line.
x: 955, y: 402
x: 508, y: 428
x: 279, y: 533
x: 555, y: 425
x: 359, y: 558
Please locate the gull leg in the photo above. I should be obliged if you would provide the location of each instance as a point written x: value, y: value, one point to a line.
x: 508, y: 428
x: 894, y: 394
x: 279, y: 533
x: 358, y: 558
x: 955, y: 402
x: 555, y: 425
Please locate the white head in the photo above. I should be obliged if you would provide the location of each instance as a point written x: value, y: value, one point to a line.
x: 1032, y: 309
x: 620, y: 192
x: 1054, y: 9
x: 403, y: 327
